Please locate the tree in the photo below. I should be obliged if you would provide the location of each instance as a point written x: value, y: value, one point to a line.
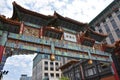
x: 64, y: 78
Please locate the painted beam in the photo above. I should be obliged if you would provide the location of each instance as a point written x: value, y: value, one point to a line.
x: 66, y: 53
x: 32, y: 25
x: 57, y: 43
x: 69, y: 49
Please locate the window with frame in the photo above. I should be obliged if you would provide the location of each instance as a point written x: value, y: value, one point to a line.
x: 56, y: 64
x: 57, y: 75
x: 51, y: 68
x: 46, y: 74
x: 107, y: 28
x: 111, y: 38
x: 46, y: 62
x: 46, y: 68
x: 51, y: 63
x: 89, y: 70
x: 110, y: 17
x: 57, y: 69
x: 118, y: 16
x: 100, y: 31
x: 118, y: 32
x: 52, y: 74
x: 114, y: 25
x: 117, y: 11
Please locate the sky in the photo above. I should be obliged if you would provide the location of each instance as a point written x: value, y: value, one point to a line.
x: 80, y: 10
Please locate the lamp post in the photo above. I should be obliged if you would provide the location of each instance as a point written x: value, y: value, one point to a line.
x: 3, y: 73
x: 90, y: 61
x: 52, y: 57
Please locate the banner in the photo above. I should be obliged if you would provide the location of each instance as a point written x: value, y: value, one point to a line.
x: 70, y: 37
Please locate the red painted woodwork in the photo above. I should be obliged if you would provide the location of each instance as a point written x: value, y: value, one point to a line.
x: 1, y: 52
x: 78, y: 38
x: 21, y: 28
x: 108, y: 78
x: 115, y: 72
x: 41, y: 33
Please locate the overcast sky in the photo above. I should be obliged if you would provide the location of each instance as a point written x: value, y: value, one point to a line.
x: 80, y: 10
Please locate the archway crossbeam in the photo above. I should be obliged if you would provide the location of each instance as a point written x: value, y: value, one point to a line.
x: 22, y: 43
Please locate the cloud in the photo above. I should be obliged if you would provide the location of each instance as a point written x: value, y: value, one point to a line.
x: 81, y: 10
x: 17, y: 65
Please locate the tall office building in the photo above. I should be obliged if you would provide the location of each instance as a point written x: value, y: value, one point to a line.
x: 25, y: 77
x: 44, y: 69
x: 108, y: 22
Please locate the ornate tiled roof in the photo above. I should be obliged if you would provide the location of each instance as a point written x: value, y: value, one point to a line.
x: 70, y: 20
x: 9, y: 21
x: 19, y: 8
x: 108, y: 47
x: 95, y: 35
x: 117, y: 46
x: 9, y: 25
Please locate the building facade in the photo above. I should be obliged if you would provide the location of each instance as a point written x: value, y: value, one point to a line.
x: 25, y: 77
x: 108, y: 22
x: 45, y: 69
x: 82, y: 70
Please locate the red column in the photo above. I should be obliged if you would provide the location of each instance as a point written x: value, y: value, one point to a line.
x: 78, y: 37
x: 115, y: 72
x: 41, y: 32
x: 21, y: 28
x: 1, y: 52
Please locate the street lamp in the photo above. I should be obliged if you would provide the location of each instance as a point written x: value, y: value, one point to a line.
x: 3, y: 73
x: 90, y: 61
x: 52, y: 57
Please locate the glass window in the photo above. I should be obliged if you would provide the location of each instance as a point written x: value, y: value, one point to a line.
x: 114, y: 24
x: 90, y: 72
x: 100, y: 30
x: 118, y: 16
x: 110, y: 17
x: 52, y: 74
x: 57, y: 69
x: 99, y: 68
x: 51, y: 63
x: 118, y: 32
x: 111, y: 38
x: 45, y: 62
x: 107, y: 28
x: 56, y: 64
x: 57, y: 75
x: 51, y: 68
x: 103, y: 21
x: 117, y: 11
x: 46, y: 68
x: 46, y: 74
